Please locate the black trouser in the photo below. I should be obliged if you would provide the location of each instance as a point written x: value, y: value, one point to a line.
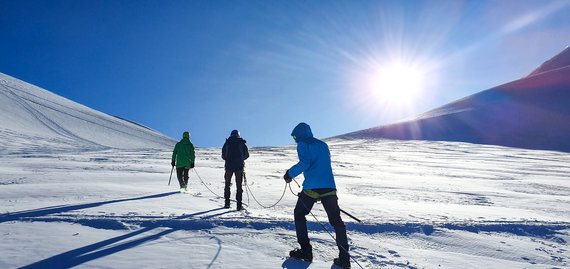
x: 182, y: 174
x: 330, y: 203
x: 239, y: 180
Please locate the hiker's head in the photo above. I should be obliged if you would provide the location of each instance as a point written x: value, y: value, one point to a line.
x: 301, y: 132
x: 186, y: 135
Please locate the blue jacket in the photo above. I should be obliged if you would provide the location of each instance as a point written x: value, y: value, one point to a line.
x: 314, y: 159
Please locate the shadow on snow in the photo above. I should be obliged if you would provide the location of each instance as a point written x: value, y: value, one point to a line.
x: 97, y: 250
x: 65, y: 208
x: 204, y: 221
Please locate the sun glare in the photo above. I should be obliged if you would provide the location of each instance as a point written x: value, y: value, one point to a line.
x: 397, y: 83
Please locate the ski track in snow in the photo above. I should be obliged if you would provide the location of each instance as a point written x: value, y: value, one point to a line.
x: 423, y: 205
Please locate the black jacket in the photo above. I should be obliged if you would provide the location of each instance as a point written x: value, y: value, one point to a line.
x: 234, y: 153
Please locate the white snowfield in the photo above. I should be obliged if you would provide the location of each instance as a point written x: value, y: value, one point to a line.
x: 423, y: 205
x: 79, y: 188
x: 45, y: 122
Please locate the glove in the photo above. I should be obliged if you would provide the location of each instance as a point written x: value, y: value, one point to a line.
x: 192, y: 165
x: 173, y: 163
x: 287, y: 178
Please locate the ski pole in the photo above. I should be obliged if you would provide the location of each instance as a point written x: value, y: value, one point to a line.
x: 170, y: 176
x: 355, y: 218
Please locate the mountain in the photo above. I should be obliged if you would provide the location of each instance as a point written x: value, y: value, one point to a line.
x: 36, y: 120
x: 532, y: 112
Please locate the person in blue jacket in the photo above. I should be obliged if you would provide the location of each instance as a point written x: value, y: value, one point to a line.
x: 315, y: 164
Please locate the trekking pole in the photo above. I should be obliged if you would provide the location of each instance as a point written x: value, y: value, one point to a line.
x: 170, y: 176
x: 355, y: 218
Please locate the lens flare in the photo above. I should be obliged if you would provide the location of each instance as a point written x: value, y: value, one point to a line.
x: 397, y: 83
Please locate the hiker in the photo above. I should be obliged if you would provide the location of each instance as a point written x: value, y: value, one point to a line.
x: 183, y: 158
x: 234, y: 153
x: 315, y: 164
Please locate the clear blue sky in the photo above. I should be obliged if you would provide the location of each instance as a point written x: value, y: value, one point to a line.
x: 263, y: 66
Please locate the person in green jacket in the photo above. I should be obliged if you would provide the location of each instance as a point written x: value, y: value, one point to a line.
x: 183, y: 158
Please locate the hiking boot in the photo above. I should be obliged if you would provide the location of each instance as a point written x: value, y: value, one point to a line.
x: 300, y: 254
x: 342, y: 264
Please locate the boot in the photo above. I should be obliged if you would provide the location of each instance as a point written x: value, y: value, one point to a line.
x: 302, y: 254
x: 227, y: 204
x: 342, y: 264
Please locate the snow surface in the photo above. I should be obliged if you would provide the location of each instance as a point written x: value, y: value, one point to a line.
x: 423, y: 205
x: 46, y: 122
x: 79, y: 188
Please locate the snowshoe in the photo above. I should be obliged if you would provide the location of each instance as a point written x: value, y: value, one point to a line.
x: 299, y: 254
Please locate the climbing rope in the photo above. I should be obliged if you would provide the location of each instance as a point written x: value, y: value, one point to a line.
x: 322, y: 225
x: 203, y: 183
x: 255, y: 199
x: 282, y: 195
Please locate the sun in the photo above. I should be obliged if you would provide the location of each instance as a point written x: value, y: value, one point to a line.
x: 397, y: 83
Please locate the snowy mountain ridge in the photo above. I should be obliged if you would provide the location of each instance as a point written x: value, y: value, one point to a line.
x: 532, y: 112
x: 31, y: 114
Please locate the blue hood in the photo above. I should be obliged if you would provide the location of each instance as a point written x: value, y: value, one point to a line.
x: 302, y: 132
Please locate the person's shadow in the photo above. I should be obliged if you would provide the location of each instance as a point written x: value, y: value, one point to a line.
x: 295, y: 264
x: 100, y: 249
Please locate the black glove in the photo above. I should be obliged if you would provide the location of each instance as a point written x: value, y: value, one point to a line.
x: 173, y: 163
x: 287, y: 177
x: 191, y: 165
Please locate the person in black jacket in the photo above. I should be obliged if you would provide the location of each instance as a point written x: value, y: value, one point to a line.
x: 234, y: 153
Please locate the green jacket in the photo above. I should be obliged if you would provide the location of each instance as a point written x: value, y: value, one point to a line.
x: 183, y: 153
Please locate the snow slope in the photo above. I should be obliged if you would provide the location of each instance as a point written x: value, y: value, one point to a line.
x: 36, y: 120
x: 424, y: 204
x: 79, y: 188
x: 532, y: 112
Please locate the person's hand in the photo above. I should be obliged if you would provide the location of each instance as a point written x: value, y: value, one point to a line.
x: 173, y: 163
x: 192, y: 165
x: 287, y: 178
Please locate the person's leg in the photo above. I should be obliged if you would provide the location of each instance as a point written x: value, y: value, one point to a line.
x: 186, y: 175
x: 239, y: 190
x: 227, y: 191
x: 302, y: 208
x: 330, y: 203
x: 179, y: 175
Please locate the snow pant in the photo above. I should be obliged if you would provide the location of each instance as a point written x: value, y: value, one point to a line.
x: 330, y: 203
x: 239, y: 190
x: 182, y: 174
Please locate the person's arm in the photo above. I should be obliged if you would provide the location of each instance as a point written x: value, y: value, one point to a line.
x: 304, y: 160
x: 174, y: 152
x: 192, y: 155
x: 245, y: 152
x: 225, y: 150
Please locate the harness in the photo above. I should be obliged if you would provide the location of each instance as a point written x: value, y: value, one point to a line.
x: 317, y: 196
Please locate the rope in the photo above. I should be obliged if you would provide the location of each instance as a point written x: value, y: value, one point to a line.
x: 255, y: 199
x: 282, y: 195
x: 324, y: 227
x: 203, y: 183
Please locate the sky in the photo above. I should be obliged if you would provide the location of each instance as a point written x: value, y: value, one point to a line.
x: 261, y: 67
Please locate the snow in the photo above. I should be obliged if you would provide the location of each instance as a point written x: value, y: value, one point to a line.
x: 79, y: 188
x: 424, y: 204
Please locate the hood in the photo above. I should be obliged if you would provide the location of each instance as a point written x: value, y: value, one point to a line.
x: 302, y: 132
